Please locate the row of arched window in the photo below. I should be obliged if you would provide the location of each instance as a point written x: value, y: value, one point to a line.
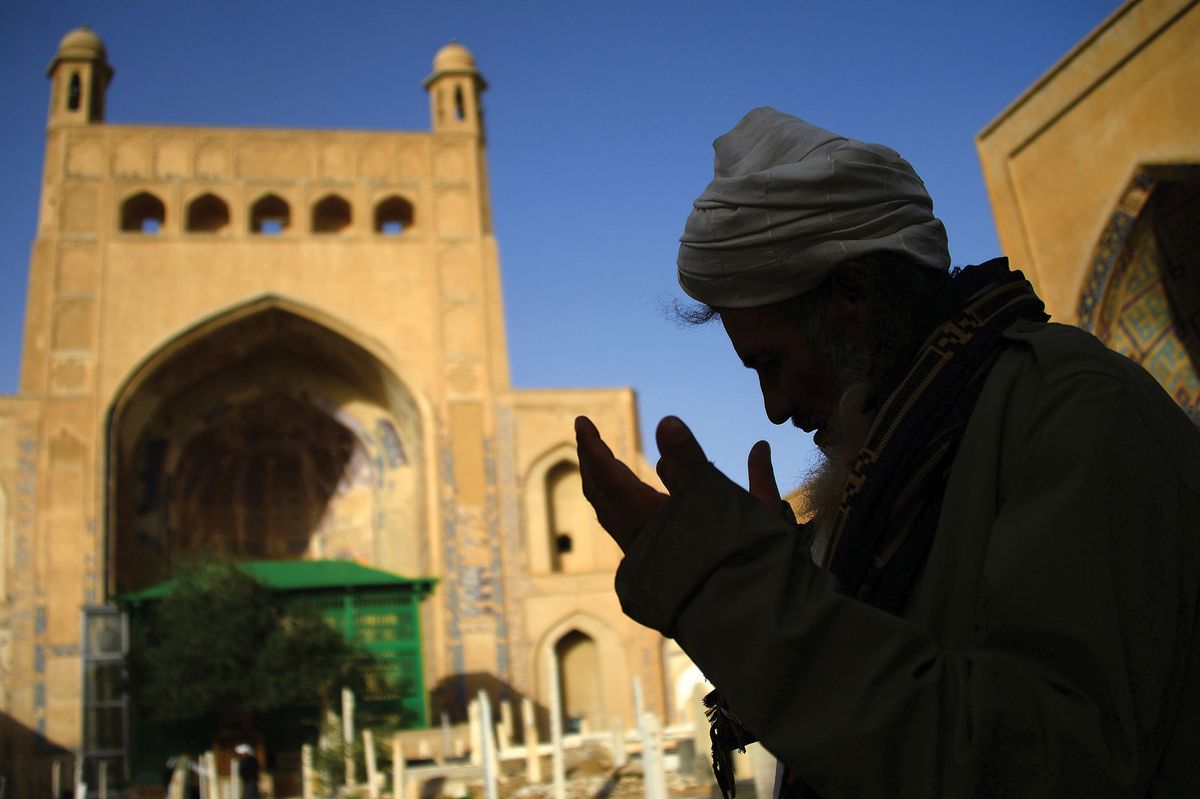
x: 269, y: 215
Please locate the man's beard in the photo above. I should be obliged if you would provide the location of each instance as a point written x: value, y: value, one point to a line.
x: 900, y: 317
x: 821, y: 492
x: 842, y: 436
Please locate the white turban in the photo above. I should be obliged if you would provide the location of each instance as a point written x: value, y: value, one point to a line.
x: 789, y: 201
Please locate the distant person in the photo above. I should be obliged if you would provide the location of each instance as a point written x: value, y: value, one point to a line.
x: 195, y: 774
x: 168, y: 773
x: 998, y: 593
x: 247, y: 770
x: 188, y: 773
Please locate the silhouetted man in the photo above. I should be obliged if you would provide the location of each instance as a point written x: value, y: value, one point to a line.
x: 997, y: 592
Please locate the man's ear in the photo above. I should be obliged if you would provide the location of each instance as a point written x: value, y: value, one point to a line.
x: 849, y: 302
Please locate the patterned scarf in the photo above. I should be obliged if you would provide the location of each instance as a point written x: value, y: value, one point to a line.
x: 889, y: 509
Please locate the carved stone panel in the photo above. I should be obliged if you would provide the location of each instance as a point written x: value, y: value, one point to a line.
x: 272, y: 158
x: 459, y: 277
x: 68, y: 454
x: 85, y: 158
x: 462, y: 331
x: 77, y: 269
x: 172, y: 158
x: 70, y: 375
x: 410, y: 163
x: 449, y: 164
x: 376, y: 161
x: 72, y: 326
x: 80, y: 204
x: 467, y: 432
x: 66, y: 450
x: 212, y: 159
x: 453, y: 213
x: 464, y: 378
x: 131, y: 158
x: 335, y: 160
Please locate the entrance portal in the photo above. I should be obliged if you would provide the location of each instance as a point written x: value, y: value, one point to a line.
x: 264, y: 435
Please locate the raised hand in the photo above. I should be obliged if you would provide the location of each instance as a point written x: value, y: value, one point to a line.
x: 623, y: 503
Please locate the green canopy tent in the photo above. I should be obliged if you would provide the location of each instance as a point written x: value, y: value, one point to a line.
x: 377, y: 612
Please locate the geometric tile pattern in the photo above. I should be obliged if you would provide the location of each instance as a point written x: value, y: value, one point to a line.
x: 1111, y: 247
x: 1142, y: 327
x: 1148, y: 311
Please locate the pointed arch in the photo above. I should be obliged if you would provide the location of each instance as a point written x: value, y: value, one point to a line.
x: 1142, y: 293
x: 74, y: 92
x: 266, y: 430
x: 331, y: 214
x: 581, y: 696
x: 1110, y: 246
x: 460, y: 106
x: 207, y: 213
x: 393, y: 215
x: 612, y: 678
x: 270, y: 215
x: 142, y: 212
x: 252, y: 307
x: 563, y: 480
x: 561, y: 532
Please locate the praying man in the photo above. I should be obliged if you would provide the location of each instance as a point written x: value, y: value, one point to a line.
x: 997, y: 592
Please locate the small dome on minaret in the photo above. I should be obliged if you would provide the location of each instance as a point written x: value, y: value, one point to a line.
x: 454, y: 87
x: 453, y: 58
x: 79, y: 74
x: 81, y: 44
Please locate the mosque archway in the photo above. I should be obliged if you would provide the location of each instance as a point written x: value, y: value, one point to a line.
x: 562, y: 534
x: 208, y: 213
x: 594, y: 678
x: 571, y: 548
x: 264, y: 434
x: 582, y: 693
x: 1142, y: 297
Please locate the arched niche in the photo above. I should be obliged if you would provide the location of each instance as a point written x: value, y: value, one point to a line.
x: 264, y: 433
x: 1142, y: 294
x: 270, y: 215
x: 74, y: 92
x: 331, y: 214
x: 142, y: 213
x: 207, y: 213
x: 393, y: 215
x: 561, y: 532
x: 574, y: 643
x: 579, y: 673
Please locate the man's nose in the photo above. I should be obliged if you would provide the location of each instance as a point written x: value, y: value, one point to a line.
x: 777, y: 404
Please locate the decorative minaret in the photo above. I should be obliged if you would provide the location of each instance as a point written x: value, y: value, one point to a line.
x: 455, y: 87
x: 455, y: 104
x: 80, y: 73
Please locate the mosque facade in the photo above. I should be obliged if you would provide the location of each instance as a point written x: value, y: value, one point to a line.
x: 289, y: 345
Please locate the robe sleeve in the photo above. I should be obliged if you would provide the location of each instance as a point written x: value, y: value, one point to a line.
x: 1086, y: 606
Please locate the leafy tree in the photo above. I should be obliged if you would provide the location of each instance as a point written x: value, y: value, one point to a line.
x: 220, y: 649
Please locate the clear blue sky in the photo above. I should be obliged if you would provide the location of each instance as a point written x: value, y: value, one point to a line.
x: 600, y: 120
